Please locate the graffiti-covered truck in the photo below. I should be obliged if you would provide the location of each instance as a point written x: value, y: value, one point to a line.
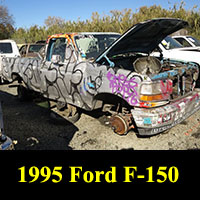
x: 92, y: 71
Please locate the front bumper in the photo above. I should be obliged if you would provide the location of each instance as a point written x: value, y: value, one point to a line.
x: 156, y: 120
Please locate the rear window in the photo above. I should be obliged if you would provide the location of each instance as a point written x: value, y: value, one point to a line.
x: 5, y: 48
x: 35, y: 48
x: 184, y: 42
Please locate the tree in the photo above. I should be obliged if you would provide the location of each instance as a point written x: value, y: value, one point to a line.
x: 54, y: 21
x: 6, y: 23
x: 116, y: 21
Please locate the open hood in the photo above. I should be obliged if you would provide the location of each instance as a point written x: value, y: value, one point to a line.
x: 144, y: 37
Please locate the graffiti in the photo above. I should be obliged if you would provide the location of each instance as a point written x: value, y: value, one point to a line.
x: 69, y: 82
x: 121, y: 85
x: 166, y: 88
x: 165, y: 75
x: 91, y: 84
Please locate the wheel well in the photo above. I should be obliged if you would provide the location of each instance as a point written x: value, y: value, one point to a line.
x: 16, y: 77
x: 107, y: 98
x: 119, y: 111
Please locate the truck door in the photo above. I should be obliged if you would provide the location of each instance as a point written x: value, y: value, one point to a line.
x: 56, y: 71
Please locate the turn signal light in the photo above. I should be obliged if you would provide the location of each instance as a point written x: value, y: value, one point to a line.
x: 151, y: 97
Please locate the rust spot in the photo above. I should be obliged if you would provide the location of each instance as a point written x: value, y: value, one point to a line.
x: 121, y: 124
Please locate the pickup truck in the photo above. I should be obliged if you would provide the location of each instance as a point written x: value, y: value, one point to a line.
x: 9, y: 48
x: 115, y: 74
x: 30, y: 50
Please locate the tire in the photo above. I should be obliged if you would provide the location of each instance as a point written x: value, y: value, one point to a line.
x: 22, y: 93
x: 70, y: 113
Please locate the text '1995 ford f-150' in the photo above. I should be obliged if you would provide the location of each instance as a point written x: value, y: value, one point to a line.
x: 117, y: 74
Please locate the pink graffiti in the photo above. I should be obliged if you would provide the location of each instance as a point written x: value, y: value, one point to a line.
x: 166, y: 88
x: 121, y: 85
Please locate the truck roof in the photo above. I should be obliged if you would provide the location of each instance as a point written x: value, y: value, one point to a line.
x: 7, y: 40
x: 71, y: 35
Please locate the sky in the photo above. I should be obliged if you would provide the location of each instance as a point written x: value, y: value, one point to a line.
x: 28, y: 13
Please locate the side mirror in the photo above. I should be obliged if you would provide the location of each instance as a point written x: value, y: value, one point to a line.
x: 56, y: 59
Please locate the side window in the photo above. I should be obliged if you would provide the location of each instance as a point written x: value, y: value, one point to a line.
x: 184, y: 42
x: 56, y: 46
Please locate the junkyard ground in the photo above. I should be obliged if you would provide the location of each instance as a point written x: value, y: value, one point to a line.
x: 32, y: 127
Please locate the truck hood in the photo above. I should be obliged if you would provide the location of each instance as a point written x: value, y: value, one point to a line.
x: 144, y: 37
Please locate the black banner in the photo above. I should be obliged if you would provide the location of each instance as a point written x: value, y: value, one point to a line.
x: 126, y: 167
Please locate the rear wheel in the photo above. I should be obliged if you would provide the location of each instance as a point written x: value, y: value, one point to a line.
x: 68, y: 112
x: 22, y: 93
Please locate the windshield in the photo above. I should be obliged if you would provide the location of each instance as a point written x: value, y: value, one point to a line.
x: 170, y: 43
x: 194, y: 40
x: 92, y: 45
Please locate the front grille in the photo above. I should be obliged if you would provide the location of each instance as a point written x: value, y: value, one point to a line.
x: 183, y: 84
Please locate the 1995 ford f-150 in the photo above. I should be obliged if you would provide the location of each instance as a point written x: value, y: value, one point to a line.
x: 140, y: 91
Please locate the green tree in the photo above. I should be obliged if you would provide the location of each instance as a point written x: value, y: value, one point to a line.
x: 6, y: 23
x: 116, y: 21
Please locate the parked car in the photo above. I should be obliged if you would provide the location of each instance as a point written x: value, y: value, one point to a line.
x: 30, y: 50
x: 169, y: 48
x: 119, y: 76
x: 187, y: 41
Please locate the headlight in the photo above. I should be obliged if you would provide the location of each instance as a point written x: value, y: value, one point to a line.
x: 156, y: 91
x: 147, y: 65
x: 150, y: 88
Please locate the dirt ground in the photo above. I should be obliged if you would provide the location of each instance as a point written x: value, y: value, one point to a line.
x: 32, y: 127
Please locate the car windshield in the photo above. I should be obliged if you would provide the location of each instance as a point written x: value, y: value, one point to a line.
x: 5, y: 47
x: 92, y: 45
x: 170, y: 43
x: 194, y: 40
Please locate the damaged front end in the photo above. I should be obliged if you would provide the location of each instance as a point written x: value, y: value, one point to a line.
x: 162, y: 96
x: 167, y: 98
x: 160, y: 93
